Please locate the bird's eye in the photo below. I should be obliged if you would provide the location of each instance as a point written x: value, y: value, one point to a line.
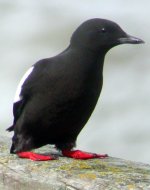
x: 103, y: 30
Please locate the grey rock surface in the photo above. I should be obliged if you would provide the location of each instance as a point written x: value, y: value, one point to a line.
x: 70, y: 174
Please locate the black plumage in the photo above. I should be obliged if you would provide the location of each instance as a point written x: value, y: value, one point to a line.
x: 60, y: 94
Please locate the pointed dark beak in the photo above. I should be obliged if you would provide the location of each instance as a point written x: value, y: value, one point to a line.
x: 130, y: 40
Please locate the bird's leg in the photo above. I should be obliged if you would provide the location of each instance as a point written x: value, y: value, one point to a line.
x: 35, y: 157
x: 78, y: 154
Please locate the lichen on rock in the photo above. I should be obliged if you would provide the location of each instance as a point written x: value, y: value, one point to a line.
x: 70, y: 174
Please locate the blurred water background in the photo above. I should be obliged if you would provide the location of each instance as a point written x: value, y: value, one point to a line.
x: 31, y: 30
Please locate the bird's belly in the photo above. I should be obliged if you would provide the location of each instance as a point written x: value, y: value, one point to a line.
x: 73, y: 112
x: 63, y: 113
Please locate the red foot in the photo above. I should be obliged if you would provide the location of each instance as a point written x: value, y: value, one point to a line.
x: 78, y: 154
x: 34, y: 156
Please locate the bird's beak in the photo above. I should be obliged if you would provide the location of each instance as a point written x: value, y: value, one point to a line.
x: 130, y: 40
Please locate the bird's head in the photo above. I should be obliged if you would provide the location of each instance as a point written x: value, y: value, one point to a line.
x: 101, y: 34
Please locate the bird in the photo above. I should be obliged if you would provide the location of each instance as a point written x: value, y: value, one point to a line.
x: 57, y: 95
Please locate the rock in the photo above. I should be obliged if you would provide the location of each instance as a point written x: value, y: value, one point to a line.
x: 69, y: 174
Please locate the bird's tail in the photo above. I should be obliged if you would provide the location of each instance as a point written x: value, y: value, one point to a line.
x: 11, y: 128
x: 21, y: 142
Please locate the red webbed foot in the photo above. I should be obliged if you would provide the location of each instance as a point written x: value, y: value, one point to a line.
x: 78, y: 154
x: 35, y: 157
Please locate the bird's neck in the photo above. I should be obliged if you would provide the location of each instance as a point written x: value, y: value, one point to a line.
x: 88, y: 57
x: 96, y: 57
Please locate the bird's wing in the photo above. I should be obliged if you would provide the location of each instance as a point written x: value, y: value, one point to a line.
x: 25, y: 90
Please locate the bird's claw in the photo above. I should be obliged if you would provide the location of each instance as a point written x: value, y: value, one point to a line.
x: 78, y: 154
x: 36, y: 157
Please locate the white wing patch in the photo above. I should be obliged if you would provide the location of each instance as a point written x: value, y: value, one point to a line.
x: 18, y: 91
